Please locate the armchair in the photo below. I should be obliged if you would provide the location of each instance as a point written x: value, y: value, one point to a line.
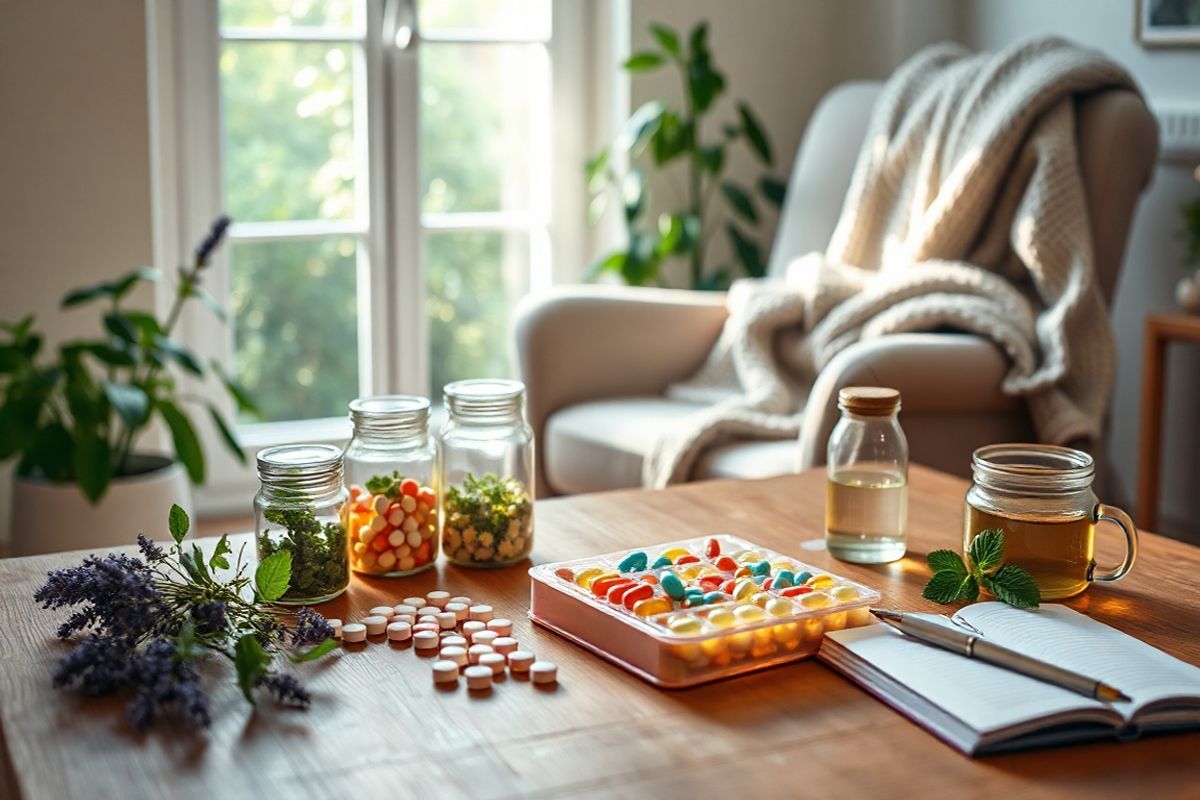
x: 596, y: 360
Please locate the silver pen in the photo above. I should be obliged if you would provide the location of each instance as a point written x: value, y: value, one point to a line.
x: 972, y: 646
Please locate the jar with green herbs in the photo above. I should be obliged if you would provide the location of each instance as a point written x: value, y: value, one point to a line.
x: 390, y: 466
x: 301, y: 509
x: 486, y: 474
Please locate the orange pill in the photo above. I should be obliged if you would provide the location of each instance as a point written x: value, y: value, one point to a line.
x: 726, y: 564
x: 688, y: 559
x: 603, y: 583
x: 636, y: 594
x: 650, y: 578
x: 617, y: 593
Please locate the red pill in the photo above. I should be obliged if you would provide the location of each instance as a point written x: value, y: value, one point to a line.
x: 767, y: 584
x: 617, y: 593
x: 710, y: 582
x: 712, y: 548
x: 726, y: 564
x: 792, y: 591
x: 636, y: 593
x: 727, y: 586
x: 650, y: 577
x: 600, y: 586
x: 688, y: 559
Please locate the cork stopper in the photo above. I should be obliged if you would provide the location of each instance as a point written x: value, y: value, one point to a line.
x: 869, y: 401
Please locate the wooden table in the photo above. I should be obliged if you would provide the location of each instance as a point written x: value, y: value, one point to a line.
x: 378, y: 727
x: 1161, y: 330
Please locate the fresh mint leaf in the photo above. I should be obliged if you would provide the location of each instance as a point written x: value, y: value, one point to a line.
x: 218, y: 559
x: 273, y: 575
x: 1014, y: 586
x: 185, y: 641
x: 944, y: 586
x: 178, y: 523
x: 969, y: 591
x: 943, y: 560
x: 251, y: 662
x: 986, y: 550
x: 316, y: 652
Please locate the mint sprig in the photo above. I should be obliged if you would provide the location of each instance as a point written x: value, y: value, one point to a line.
x: 955, y: 581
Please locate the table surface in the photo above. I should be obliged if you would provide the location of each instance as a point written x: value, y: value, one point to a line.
x: 378, y: 727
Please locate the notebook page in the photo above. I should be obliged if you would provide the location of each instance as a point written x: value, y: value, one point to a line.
x: 1066, y: 638
x: 984, y: 697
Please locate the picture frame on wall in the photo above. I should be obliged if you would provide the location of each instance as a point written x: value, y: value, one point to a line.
x: 1168, y: 23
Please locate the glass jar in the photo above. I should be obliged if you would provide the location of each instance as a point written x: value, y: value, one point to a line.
x: 300, y: 508
x: 866, y: 500
x: 486, y: 459
x: 1041, y: 496
x: 390, y: 466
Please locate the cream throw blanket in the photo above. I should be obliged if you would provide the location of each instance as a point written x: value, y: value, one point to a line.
x: 966, y: 209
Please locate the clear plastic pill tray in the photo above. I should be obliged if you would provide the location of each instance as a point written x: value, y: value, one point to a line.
x: 693, y: 641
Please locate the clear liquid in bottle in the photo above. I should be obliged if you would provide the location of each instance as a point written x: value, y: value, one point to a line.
x: 866, y: 515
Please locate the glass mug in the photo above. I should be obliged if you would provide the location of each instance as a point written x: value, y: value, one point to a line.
x: 1041, y: 497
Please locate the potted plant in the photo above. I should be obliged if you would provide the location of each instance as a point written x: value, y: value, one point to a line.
x: 71, y: 421
x: 657, y: 136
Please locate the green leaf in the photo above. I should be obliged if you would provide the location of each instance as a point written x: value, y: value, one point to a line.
x: 740, y: 201
x: 185, y: 641
x: 986, y: 550
x: 946, y: 560
x: 147, y: 324
x: 178, y: 523
x: 191, y: 567
x: 187, y: 444
x: 667, y: 39
x: 1014, y: 586
x: 11, y: 357
x: 705, y: 84
x: 121, y: 326
x: 773, y: 190
x: 218, y: 560
x: 642, y: 261
x: 677, y: 233
x: 643, y: 62
x: 92, y: 464
x: 597, y: 207
x: 77, y: 296
x: 205, y: 296
x: 945, y: 586
x: 227, y: 436
x: 633, y: 193
x: 595, y: 170
x: 711, y: 158
x: 130, y: 402
x: 251, y: 662
x: 613, y: 262
x: 108, y: 354
x: 671, y: 139
x: 245, y: 403
x: 198, y: 560
x: 316, y: 652
x: 641, y: 124
x: 747, y: 252
x: 698, y: 39
x: 754, y: 134
x: 273, y: 575
x: 180, y: 354
x: 121, y: 286
x: 969, y: 592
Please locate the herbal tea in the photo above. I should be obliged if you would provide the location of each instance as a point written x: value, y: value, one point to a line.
x: 866, y: 516
x: 1056, y: 551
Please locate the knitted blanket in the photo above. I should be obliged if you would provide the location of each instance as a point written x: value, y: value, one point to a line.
x: 966, y: 210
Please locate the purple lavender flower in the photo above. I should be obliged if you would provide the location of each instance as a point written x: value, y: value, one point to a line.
x: 164, y: 683
x: 209, y: 617
x: 215, y: 234
x: 150, y: 550
x: 310, y: 628
x: 118, y: 592
x: 287, y: 690
x: 98, y: 664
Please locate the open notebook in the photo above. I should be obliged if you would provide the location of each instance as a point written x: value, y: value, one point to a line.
x: 979, y: 708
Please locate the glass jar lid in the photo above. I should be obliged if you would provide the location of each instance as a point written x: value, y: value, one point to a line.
x: 869, y: 401
x: 484, y: 398
x: 398, y: 415
x: 302, y: 467
x: 1033, y: 468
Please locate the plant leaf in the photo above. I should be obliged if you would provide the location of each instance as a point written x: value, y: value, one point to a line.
x: 986, y: 550
x: 643, y: 62
x: 198, y: 560
x: 251, y: 662
x: 191, y: 568
x: 83, y: 295
x: 121, y: 326
x: 704, y: 83
x: 667, y: 39
x: 273, y: 575
x: 245, y: 403
x: 633, y: 193
x: 227, y: 436
x: 711, y: 158
x: 747, y: 252
x: 594, y: 170
x: 740, y: 201
x: 130, y: 402
x: 969, y: 592
x: 1014, y: 586
x: 613, y: 262
x: 92, y: 464
x: 181, y: 354
x: 316, y: 652
x: 187, y: 444
x: 205, y: 296
x: 218, y: 560
x: 178, y: 523
x: 671, y: 139
x: 698, y: 39
x: 946, y: 560
x: 773, y: 190
x: 641, y: 124
x: 755, y: 135
x: 677, y: 233
x: 185, y: 641
x: 944, y: 587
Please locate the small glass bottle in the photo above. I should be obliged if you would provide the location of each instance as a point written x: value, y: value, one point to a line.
x: 486, y: 459
x: 300, y: 508
x: 390, y: 467
x: 866, y: 505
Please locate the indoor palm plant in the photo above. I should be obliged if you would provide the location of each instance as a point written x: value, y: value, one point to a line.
x: 71, y: 419
x: 658, y: 135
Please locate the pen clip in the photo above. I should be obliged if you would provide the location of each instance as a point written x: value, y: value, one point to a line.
x: 962, y: 623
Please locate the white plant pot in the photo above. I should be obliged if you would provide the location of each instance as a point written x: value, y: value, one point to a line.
x: 51, y: 517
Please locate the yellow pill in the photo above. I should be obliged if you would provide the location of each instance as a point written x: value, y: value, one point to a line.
x: 821, y: 581
x: 743, y: 589
x: 715, y: 646
x: 689, y: 572
x: 585, y: 577
x: 845, y: 594
x: 783, y: 563
x: 787, y: 635
x: 760, y: 599
x: 707, y: 570
x: 739, y: 643
x: 722, y: 618
x: 749, y: 613
x: 814, y: 600
x: 779, y: 607
x: 675, y: 553
x: 651, y: 606
x: 684, y: 624
x: 812, y: 629
x: 747, y: 556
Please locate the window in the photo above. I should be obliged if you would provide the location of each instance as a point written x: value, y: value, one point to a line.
x: 391, y: 167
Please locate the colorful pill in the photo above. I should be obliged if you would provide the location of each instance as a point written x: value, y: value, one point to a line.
x: 638, y: 593
x: 821, y: 581
x: 672, y: 585
x: 779, y: 607
x: 660, y: 562
x: 716, y: 597
x: 744, y: 588
x: 767, y: 584
x: 727, y: 586
x: 845, y: 593
x: 794, y: 591
x: 585, y: 577
x: 655, y: 605
x: 760, y: 567
x: 815, y: 600
x: 760, y: 599
x: 693, y: 600
x: 712, y: 548
x: 742, y: 572
x: 603, y: 583
x: 688, y: 559
x: 784, y: 578
x: 748, y: 556
x: 675, y: 553
x: 748, y: 613
x: 650, y: 578
x: 634, y: 562
x: 565, y: 573
x: 617, y: 592
x: 726, y: 564
x: 802, y: 577
x: 710, y: 582
x: 722, y: 618
x: 684, y: 624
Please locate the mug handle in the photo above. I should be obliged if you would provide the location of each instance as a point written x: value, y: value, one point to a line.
x: 1103, y: 513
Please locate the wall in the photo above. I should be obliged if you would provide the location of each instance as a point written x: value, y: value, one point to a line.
x: 74, y: 165
x: 1155, y: 252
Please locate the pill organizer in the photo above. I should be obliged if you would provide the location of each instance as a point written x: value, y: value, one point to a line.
x: 715, y: 607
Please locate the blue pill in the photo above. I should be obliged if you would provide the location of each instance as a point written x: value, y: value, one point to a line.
x: 761, y: 568
x: 783, y: 579
x: 759, y: 579
x: 633, y: 562
x: 660, y: 562
x: 802, y: 577
x: 716, y: 597
x: 672, y: 585
x: 693, y: 600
